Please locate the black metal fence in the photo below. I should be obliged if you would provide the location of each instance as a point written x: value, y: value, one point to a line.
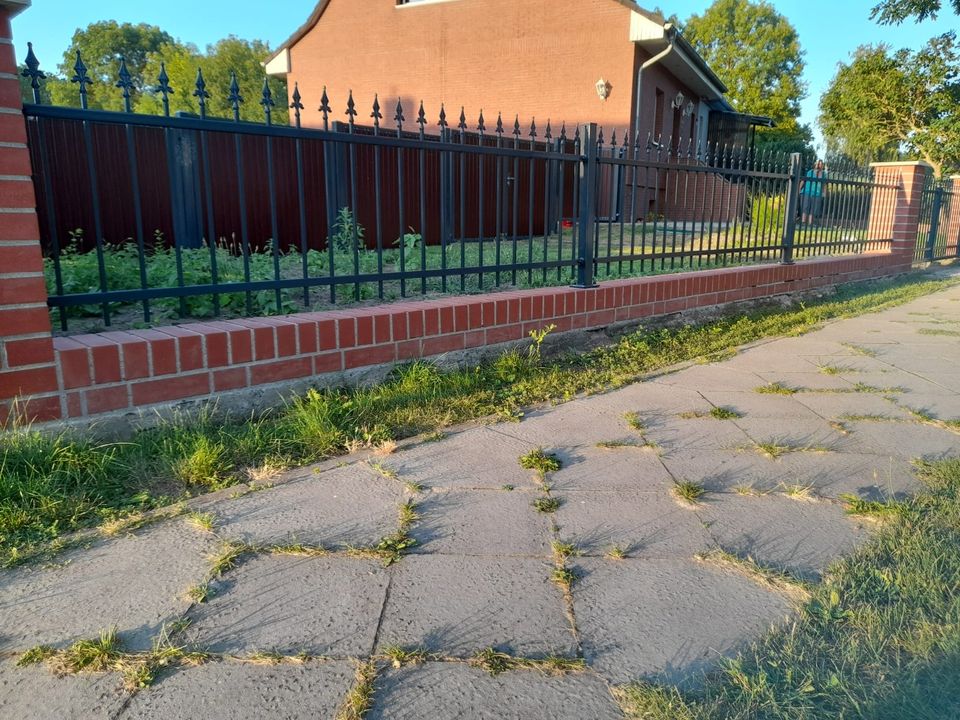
x: 939, y: 233
x: 151, y: 218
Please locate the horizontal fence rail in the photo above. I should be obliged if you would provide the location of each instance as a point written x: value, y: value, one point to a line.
x: 939, y: 233
x: 149, y: 218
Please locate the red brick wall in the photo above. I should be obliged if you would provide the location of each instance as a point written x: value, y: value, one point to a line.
x: 126, y: 371
x: 538, y: 58
x: 27, y: 366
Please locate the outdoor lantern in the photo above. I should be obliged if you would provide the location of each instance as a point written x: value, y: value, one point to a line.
x: 603, y: 89
x: 678, y: 101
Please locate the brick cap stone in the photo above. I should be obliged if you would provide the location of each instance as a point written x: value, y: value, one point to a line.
x: 14, y: 7
x: 903, y: 163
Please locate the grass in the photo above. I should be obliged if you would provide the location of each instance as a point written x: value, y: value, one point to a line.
x: 563, y: 550
x: 635, y: 422
x: 717, y: 413
x: 615, y: 552
x: 837, y: 369
x: 200, y: 593
x: 547, y: 505
x: 688, y: 492
x: 804, y: 493
x: 774, y: 451
x: 495, y: 663
x: 564, y: 577
x: 939, y: 331
x: 360, y: 698
x: 400, y: 656
x: 776, y: 388
x: 876, y: 509
x: 770, y: 578
x: 878, y: 639
x: 617, y: 444
x: 540, y: 461
x: 228, y: 557
x: 53, y: 484
x: 861, y: 350
x: 205, y: 522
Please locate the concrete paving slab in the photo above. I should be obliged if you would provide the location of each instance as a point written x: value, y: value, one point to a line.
x: 679, y: 436
x: 35, y: 693
x: 656, y: 397
x: 668, y: 620
x: 647, y: 525
x: 244, y: 691
x: 759, y: 405
x: 905, y: 440
x: 778, y: 532
x: 451, y: 691
x: 476, y: 458
x: 135, y: 582
x: 712, y: 377
x: 795, y: 433
x: 945, y: 406
x: 482, y: 522
x: 872, y: 477
x: 835, y: 406
x: 808, y: 380
x: 322, y: 605
x: 632, y: 467
x: 725, y: 470
x: 343, y: 507
x: 763, y: 359
x: 461, y: 605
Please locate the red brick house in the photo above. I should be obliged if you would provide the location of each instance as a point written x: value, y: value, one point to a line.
x: 573, y: 61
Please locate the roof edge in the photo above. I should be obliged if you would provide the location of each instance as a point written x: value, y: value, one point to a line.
x: 298, y: 34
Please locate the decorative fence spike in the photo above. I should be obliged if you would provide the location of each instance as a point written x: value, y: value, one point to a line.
x: 516, y: 127
x: 443, y: 119
x: 399, y: 117
x: 533, y: 129
x: 351, y: 111
x: 32, y: 70
x: 563, y: 132
x: 325, y: 108
x: 163, y: 87
x: 421, y: 119
x: 201, y: 93
x: 297, y: 104
x: 613, y: 139
x: 376, y: 114
x: 125, y: 83
x: 481, y: 125
x: 500, y: 124
x: 235, y: 97
x: 267, y: 101
x: 548, y: 134
x: 463, y: 121
x: 80, y: 77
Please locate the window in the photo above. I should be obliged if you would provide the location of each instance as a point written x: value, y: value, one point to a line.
x: 658, y: 116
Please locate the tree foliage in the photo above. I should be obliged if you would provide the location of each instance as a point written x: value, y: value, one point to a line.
x: 885, y: 103
x: 145, y: 48
x: 894, y: 12
x: 756, y: 52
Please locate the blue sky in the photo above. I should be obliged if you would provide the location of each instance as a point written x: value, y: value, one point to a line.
x: 829, y: 29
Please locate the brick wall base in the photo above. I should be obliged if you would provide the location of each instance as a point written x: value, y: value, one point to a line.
x: 126, y: 373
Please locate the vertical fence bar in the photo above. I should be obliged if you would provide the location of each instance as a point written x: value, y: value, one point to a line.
x: 790, y: 221
x: 51, y: 221
x: 587, y: 218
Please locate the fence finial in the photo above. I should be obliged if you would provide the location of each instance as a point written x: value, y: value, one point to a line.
x: 125, y: 83
x: 32, y: 70
x: 399, y: 117
x: 421, y: 119
x: 563, y: 131
x: 267, y: 101
x: 201, y: 93
x: 376, y: 114
x: 516, y: 127
x: 235, y: 97
x: 163, y: 86
x: 481, y: 125
x: 500, y: 124
x: 80, y: 77
x: 548, y: 133
x: 463, y: 121
x: 351, y: 110
x: 533, y: 129
x: 325, y: 108
x: 443, y: 118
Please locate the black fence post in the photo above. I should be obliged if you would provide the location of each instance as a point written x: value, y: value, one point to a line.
x: 587, y: 212
x: 935, y: 209
x: 793, y: 201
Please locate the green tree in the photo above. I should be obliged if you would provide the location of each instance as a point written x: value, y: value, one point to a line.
x: 102, y: 45
x: 756, y: 52
x: 230, y: 55
x: 894, y: 12
x: 885, y: 103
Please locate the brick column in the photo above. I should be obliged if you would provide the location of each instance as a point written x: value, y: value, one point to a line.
x: 895, y: 214
x: 28, y: 375
x: 951, y: 217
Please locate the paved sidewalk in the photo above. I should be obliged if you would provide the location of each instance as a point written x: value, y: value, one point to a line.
x: 483, y: 572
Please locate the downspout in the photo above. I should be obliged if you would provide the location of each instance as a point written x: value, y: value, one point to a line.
x: 669, y: 32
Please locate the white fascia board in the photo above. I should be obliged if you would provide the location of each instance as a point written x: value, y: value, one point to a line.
x: 279, y: 64
x: 643, y: 29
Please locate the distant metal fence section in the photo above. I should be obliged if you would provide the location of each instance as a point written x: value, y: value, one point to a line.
x: 150, y: 218
x: 939, y: 234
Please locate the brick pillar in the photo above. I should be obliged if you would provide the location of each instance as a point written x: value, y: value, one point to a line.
x: 951, y: 217
x: 28, y: 376
x: 895, y: 214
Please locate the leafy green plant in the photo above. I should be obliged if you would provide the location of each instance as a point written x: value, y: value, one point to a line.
x: 347, y: 232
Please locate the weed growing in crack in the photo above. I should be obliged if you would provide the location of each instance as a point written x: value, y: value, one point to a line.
x: 203, y: 521
x: 805, y: 493
x: 776, y: 388
x: 688, y: 492
x: 360, y: 698
x: 876, y: 509
x: 771, y: 578
x: 615, y: 552
x: 562, y: 550
x: 635, y: 422
x: 400, y: 656
x: 540, y: 461
x: 547, y: 505
x: 617, y: 444
x: 228, y: 557
x: 36, y: 655
x: 495, y: 663
x: 564, y: 577
x: 200, y: 593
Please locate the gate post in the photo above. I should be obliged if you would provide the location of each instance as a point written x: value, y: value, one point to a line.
x: 587, y: 212
x: 28, y: 376
x: 935, y: 209
x: 793, y: 200
x: 895, y: 214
